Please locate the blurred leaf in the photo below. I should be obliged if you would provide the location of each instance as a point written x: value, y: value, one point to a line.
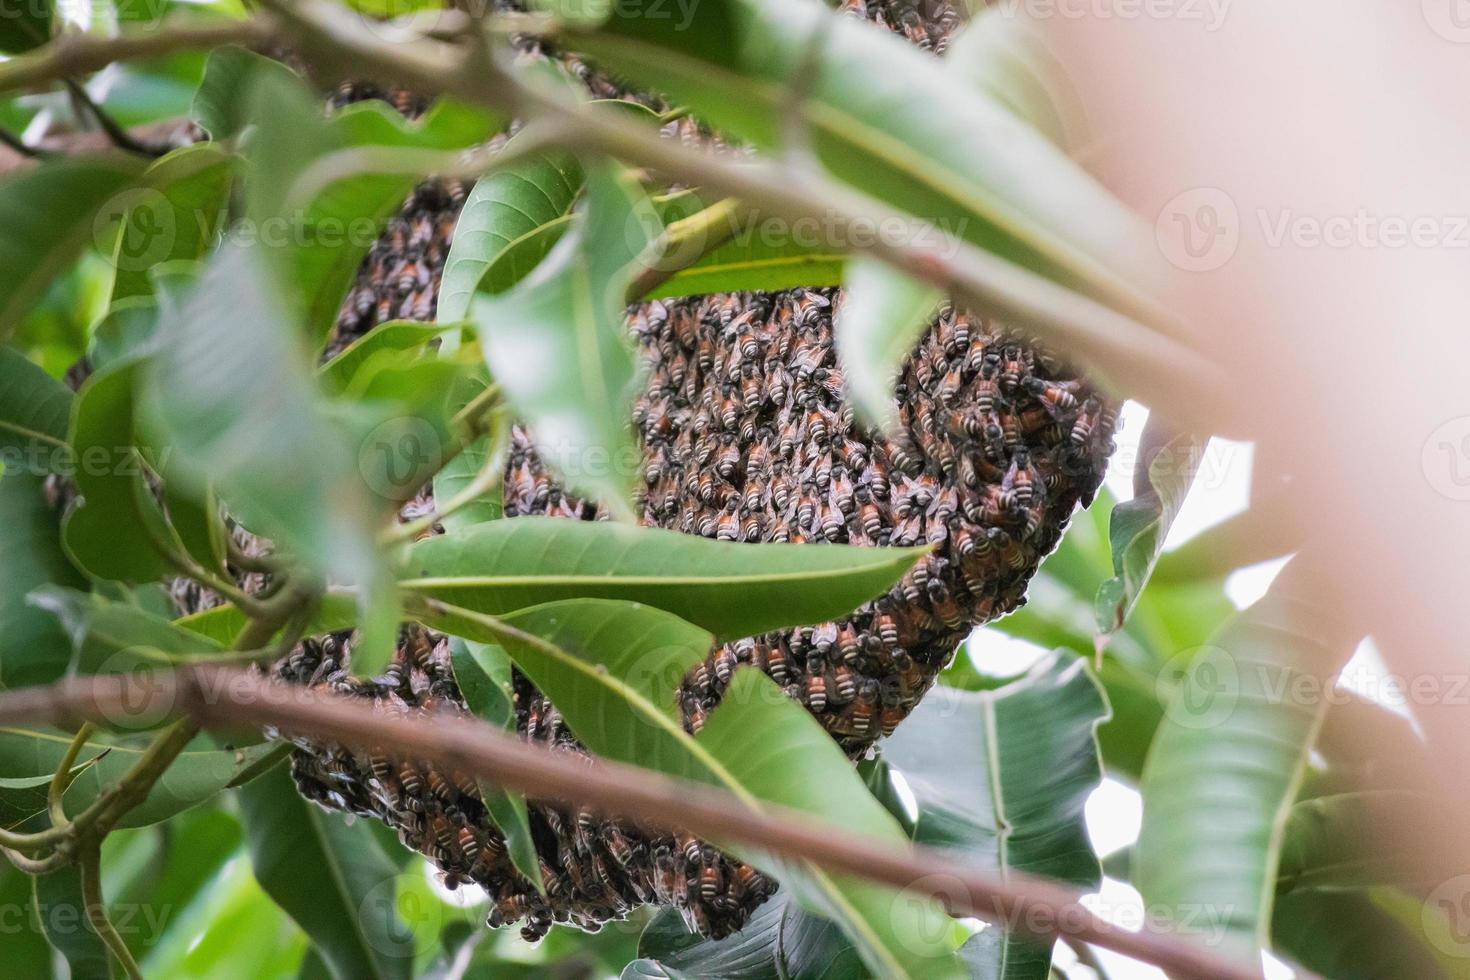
x: 48, y: 215
x: 889, y: 119
x: 116, y: 528
x: 174, y: 216
x: 114, y: 637
x: 1351, y: 936
x: 202, y: 771
x: 329, y: 875
x: 27, y: 952
x: 733, y: 590
x: 557, y: 344
x: 1227, y: 761
x: 1006, y: 56
x: 338, y: 611
x: 456, y: 476
x: 1140, y: 525
x: 1334, y: 843
x: 220, y: 106
x: 650, y: 970
x: 33, y: 648
x: 482, y: 672
x: 34, y: 410
x: 1003, y: 777
x: 504, y: 224
x: 882, y: 317
x: 64, y: 918
x: 281, y: 465
x: 128, y: 331
x: 26, y: 25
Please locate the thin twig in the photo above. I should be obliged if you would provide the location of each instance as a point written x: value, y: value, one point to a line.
x: 119, y: 136
x: 226, y: 698
x: 21, y: 146
x: 90, y: 864
x: 686, y: 241
x: 75, y: 54
x: 62, y: 779
x: 487, y: 479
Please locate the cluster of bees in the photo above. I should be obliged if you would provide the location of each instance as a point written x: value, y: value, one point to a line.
x: 746, y: 437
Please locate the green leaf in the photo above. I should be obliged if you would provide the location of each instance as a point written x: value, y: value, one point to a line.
x: 34, y: 409
x: 557, y: 343
x: 33, y: 648
x: 1006, y: 57
x: 116, y: 527
x: 201, y: 771
x: 26, y: 26
x: 48, y: 215
x: 220, y: 106
x: 753, y: 953
x: 27, y: 952
x: 1003, y: 777
x: 1358, y: 936
x: 1140, y: 525
x: 338, y: 611
x: 338, y: 374
x: 65, y: 921
x: 890, y: 119
x: 114, y: 637
x: 126, y: 332
x: 1227, y: 761
x: 175, y: 216
x: 503, y: 225
x: 331, y: 877
x: 456, y: 476
x: 613, y: 669
x: 1326, y: 845
x: 283, y: 466
x: 733, y: 590
x: 883, y: 315
x: 482, y: 672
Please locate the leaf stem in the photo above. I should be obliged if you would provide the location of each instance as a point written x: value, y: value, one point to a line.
x: 63, y: 777
x: 90, y: 864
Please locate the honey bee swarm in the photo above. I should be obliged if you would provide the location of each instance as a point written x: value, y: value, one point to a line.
x: 746, y: 437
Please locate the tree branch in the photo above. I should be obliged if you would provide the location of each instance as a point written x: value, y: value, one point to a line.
x: 230, y: 698
x: 78, y: 54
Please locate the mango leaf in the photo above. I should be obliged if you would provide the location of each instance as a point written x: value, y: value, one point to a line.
x: 1029, y: 758
x: 1166, y: 467
x: 220, y: 106
x: 33, y: 648
x: 284, y: 467
x: 27, y: 952
x: 115, y: 637
x: 48, y: 215
x: 175, y: 216
x: 1326, y: 844
x: 557, y: 345
x: 346, y: 905
x: 116, y: 528
x: 1360, y: 936
x: 328, y: 230
x: 202, y: 770
x: 34, y: 409
x: 733, y: 590
x: 338, y: 611
x: 456, y: 476
x: 65, y: 922
x: 890, y: 119
x: 1230, y: 755
x: 482, y: 672
x: 503, y: 225
x: 882, y: 317
x: 614, y: 668
x: 337, y: 375
x: 1005, y: 55
x: 26, y: 26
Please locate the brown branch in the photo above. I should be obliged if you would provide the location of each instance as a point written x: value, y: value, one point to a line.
x: 229, y: 698
x: 78, y: 54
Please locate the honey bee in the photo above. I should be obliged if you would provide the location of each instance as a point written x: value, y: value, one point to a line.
x: 507, y: 910
x: 848, y: 646
x: 815, y: 692
x: 860, y: 715
x: 711, y: 882
x: 1018, y: 486
x: 725, y: 664
x: 844, y: 684
x: 1086, y: 422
